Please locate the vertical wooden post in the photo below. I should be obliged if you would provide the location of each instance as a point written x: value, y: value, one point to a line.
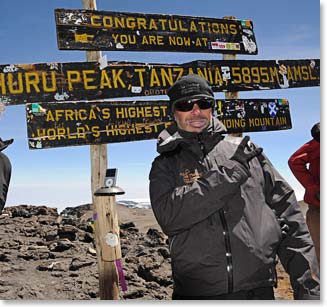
x: 106, y: 226
x: 231, y: 95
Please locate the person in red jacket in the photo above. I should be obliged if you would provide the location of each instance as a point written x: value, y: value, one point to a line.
x: 305, y: 165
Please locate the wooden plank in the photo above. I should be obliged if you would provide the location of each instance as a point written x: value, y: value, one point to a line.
x: 253, y: 115
x: 121, y: 31
x: 24, y: 83
x: 82, y: 123
x: 231, y: 95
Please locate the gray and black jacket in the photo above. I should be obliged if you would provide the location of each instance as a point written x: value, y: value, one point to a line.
x: 222, y: 218
x: 5, y: 173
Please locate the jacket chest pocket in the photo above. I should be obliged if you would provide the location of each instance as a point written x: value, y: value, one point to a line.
x: 189, y: 172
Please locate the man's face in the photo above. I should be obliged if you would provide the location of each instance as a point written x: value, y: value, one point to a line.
x: 195, y: 120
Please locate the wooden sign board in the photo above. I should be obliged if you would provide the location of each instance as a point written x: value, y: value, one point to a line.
x: 253, y: 115
x: 82, y: 123
x: 121, y: 31
x: 29, y: 83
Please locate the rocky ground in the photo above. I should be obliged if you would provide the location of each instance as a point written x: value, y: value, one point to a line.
x: 49, y: 256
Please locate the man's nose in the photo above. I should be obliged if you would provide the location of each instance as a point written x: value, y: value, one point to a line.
x: 196, y: 109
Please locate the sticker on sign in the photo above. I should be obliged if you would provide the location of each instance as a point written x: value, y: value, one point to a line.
x: 225, y: 46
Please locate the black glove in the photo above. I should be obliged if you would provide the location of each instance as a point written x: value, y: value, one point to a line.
x: 4, y: 144
x: 242, y: 157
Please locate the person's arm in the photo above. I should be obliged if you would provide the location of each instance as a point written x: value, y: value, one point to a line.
x: 178, y: 208
x: 296, y: 250
x: 298, y: 165
x: 5, y: 174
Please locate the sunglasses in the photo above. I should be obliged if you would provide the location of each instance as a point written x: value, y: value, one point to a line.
x: 187, y: 105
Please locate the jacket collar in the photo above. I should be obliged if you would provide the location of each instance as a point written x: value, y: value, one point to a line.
x: 173, y: 137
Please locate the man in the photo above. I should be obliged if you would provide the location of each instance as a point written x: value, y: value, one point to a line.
x: 5, y: 173
x: 305, y: 165
x: 224, y: 208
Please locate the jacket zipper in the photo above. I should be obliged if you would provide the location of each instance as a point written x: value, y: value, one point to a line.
x: 205, y: 160
x: 228, y: 250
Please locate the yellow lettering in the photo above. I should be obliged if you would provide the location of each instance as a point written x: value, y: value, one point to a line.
x: 69, y: 115
x: 264, y: 74
x: 105, y: 113
x: 119, y: 22
x: 289, y: 73
x: 193, y: 27
x: 32, y: 79
x: 107, y: 22
x: 163, y: 23
x: 297, y: 72
x: 95, y: 131
x: 53, y: 86
x: 198, y: 42
x: 218, y: 79
x: 141, y: 23
x: 120, y: 112
x: 273, y: 74
x: 73, y: 76
x: 104, y: 80
x: 3, y: 84
x: 181, y: 26
x: 233, y: 29
x: 203, y: 73
x: 11, y: 83
x: 305, y: 73
x: 224, y: 28
x: 145, y: 40
x: 237, y: 78
x: 130, y: 22
x: 167, y: 78
x: 115, y: 36
x: 140, y: 71
x: 82, y: 114
x: 117, y: 79
x: 49, y: 117
x: 94, y: 19
x: 152, y: 25
x: 80, y: 132
x: 88, y: 79
x: 234, y: 123
x: 154, y: 79
x: 92, y: 114
x: 58, y: 114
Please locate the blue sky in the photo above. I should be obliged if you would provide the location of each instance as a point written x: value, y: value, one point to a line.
x: 60, y: 177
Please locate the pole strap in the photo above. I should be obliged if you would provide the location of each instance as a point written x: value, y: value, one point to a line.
x: 121, y: 275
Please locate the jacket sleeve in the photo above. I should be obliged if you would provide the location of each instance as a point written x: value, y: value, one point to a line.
x: 296, y: 250
x: 298, y: 165
x: 178, y: 208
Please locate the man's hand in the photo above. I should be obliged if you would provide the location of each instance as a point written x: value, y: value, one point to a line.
x: 242, y: 157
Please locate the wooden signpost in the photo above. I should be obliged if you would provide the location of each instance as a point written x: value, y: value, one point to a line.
x: 82, y: 123
x: 24, y: 83
x: 104, y: 211
x: 121, y: 31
